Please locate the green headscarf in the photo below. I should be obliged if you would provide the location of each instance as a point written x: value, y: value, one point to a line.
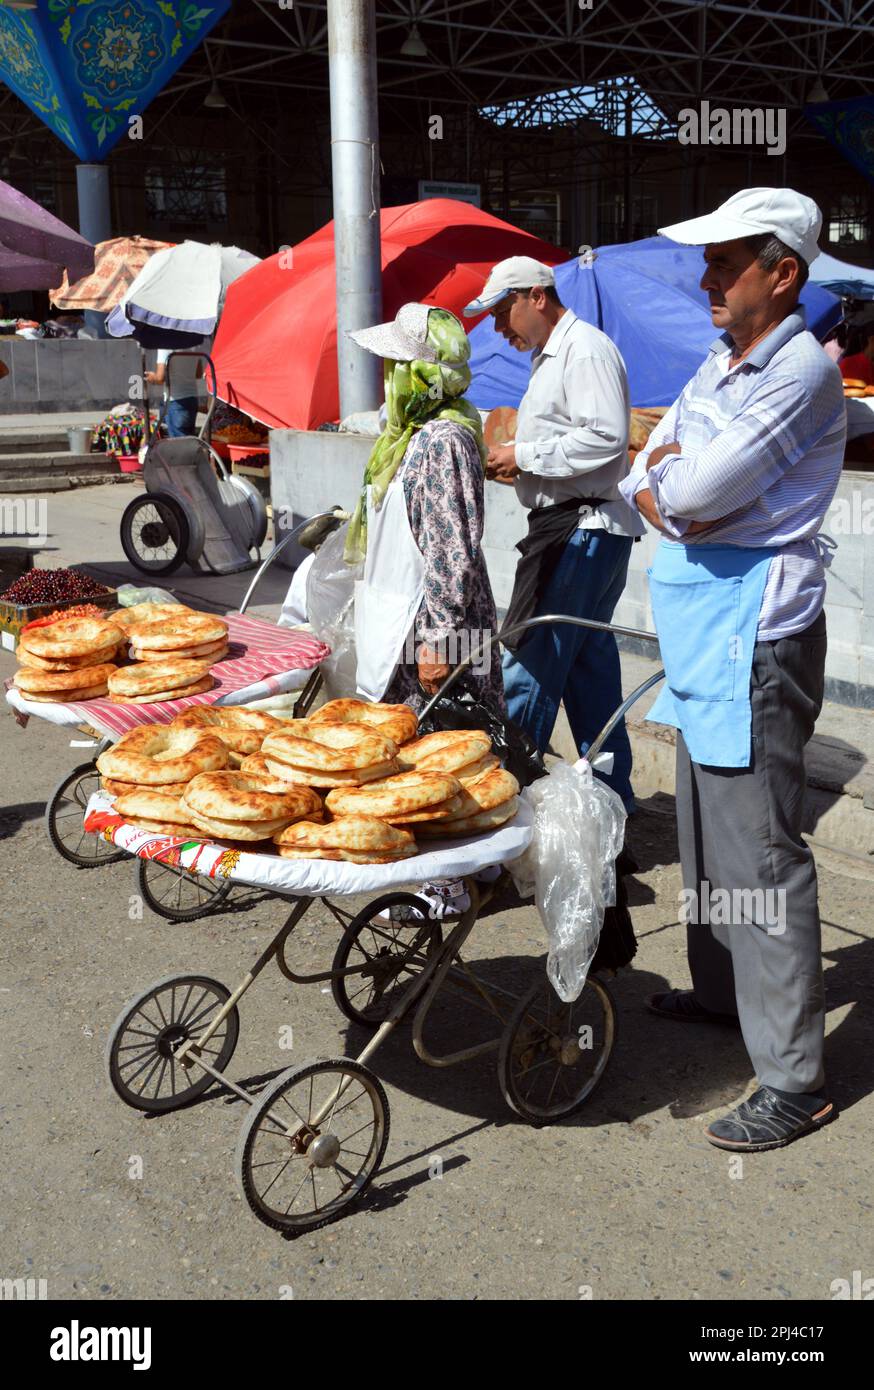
x: 416, y: 392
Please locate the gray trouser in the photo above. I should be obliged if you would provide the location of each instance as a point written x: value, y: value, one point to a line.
x: 755, y: 950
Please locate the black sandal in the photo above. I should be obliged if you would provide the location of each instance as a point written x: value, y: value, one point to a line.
x: 682, y: 1006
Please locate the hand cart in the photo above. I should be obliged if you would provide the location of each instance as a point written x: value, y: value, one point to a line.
x: 194, y: 508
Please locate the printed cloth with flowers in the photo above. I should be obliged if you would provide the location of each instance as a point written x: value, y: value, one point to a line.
x: 444, y: 491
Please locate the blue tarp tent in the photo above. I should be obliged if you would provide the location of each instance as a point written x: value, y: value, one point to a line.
x: 645, y: 297
x: 842, y: 278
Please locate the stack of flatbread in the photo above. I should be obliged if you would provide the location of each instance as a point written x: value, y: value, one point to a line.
x: 157, y: 758
x: 71, y: 659
x: 169, y: 637
x: 241, y: 730
x: 463, y: 752
x: 147, y: 682
x: 357, y: 839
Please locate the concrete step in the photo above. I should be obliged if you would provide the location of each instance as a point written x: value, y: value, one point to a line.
x: 35, y: 465
x: 32, y: 441
x: 60, y: 482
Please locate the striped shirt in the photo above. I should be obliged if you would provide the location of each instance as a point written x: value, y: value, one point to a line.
x: 762, y: 446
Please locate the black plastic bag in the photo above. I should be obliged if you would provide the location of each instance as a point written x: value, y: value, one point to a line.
x: 458, y: 709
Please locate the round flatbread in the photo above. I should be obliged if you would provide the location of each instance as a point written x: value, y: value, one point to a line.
x: 115, y: 787
x: 471, y: 825
x: 214, y: 650
x: 397, y: 722
x: 363, y: 839
x: 153, y: 755
x: 404, y: 795
x: 237, y: 796
x: 62, y: 697
x: 490, y: 788
x: 158, y: 827
x: 328, y: 747
x: 71, y: 637
x: 236, y: 829
x: 446, y: 750
x: 42, y: 682
x: 148, y: 677
x: 152, y: 802
x: 73, y: 663
x: 139, y: 613
x: 356, y: 777
x: 205, y: 683
x: 166, y: 634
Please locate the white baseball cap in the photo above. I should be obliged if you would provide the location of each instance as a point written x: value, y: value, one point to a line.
x: 515, y: 273
x: 791, y: 216
x: 404, y: 339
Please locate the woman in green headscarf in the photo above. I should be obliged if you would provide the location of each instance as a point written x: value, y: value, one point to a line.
x: 425, y: 601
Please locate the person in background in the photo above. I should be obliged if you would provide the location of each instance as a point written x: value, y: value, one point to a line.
x: 860, y: 365
x: 182, y: 393
x: 568, y: 457
x: 738, y: 477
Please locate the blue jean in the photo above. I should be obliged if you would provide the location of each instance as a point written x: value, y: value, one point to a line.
x: 181, y: 417
x: 574, y: 664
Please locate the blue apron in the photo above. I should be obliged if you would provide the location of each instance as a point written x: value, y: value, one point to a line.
x: 706, y: 601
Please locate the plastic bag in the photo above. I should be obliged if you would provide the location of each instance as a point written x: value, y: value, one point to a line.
x: 129, y: 594
x: 331, y: 611
x: 570, y: 867
x: 458, y: 709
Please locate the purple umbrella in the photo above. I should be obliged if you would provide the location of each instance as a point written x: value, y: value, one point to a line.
x: 35, y: 247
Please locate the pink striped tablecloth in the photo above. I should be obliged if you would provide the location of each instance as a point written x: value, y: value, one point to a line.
x: 260, y: 653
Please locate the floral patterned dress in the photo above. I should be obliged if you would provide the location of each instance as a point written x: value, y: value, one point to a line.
x: 444, y: 492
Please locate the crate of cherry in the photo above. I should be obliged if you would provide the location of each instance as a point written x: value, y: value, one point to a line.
x: 39, y: 593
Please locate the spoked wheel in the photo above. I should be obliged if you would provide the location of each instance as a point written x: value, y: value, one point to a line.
x: 142, y: 1047
x: 64, y: 817
x: 154, y: 533
x: 175, y: 893
x: 312, y: 1144
x: 390, y: 954
x: 553, y: 1055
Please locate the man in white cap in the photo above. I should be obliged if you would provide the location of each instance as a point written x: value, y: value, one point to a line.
x: 568, y: 457
x: 738, y: 477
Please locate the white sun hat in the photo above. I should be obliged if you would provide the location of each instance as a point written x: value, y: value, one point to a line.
x: 791, y: 216
x: 405, y: 339
x: 515, y: 273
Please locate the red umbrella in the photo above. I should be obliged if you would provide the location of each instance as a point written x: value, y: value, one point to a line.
x: 276, y: 347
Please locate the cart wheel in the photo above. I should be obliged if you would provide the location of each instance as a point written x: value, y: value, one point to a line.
x: 64, y: 815
x: 175, y: 893
x: 389, y: 954
x: 154, y: 533
x: 552, y: 1054
x: 149, y: 1031
x: 298, y: 1175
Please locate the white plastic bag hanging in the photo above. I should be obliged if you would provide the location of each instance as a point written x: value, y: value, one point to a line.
x: 570, y: 867
x: 331, y: 611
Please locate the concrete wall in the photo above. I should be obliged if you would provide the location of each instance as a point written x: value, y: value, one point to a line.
x: 64, y: 374
x: 311, y: 472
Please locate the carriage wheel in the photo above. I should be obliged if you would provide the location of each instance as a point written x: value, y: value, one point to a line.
x: 175, y: 893
x: 64, y: 816
x: 389, y: 954
x: 552, y: 1054
x: 155, y: 535
x: 297, y: 1174
x: 149, y: 1031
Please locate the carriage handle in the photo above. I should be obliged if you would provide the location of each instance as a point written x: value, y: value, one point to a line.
x: 505, y: 632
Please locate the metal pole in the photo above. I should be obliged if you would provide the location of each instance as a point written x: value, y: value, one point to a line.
x: 355, y: 165
x: 95, y: 221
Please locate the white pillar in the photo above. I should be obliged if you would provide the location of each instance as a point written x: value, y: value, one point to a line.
x: 95, y: 221
x: 355, y: 166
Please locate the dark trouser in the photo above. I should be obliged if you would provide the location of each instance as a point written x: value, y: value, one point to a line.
x: 182, y: 416
x: 759, y: 954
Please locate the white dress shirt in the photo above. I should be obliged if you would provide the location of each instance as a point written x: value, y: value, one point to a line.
x: 572, y: 427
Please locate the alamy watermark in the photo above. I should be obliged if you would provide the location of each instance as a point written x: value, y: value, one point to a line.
x: 474, y: 644
x: 25, y: 518
x: 744, y: 125
x: 734, y: 907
